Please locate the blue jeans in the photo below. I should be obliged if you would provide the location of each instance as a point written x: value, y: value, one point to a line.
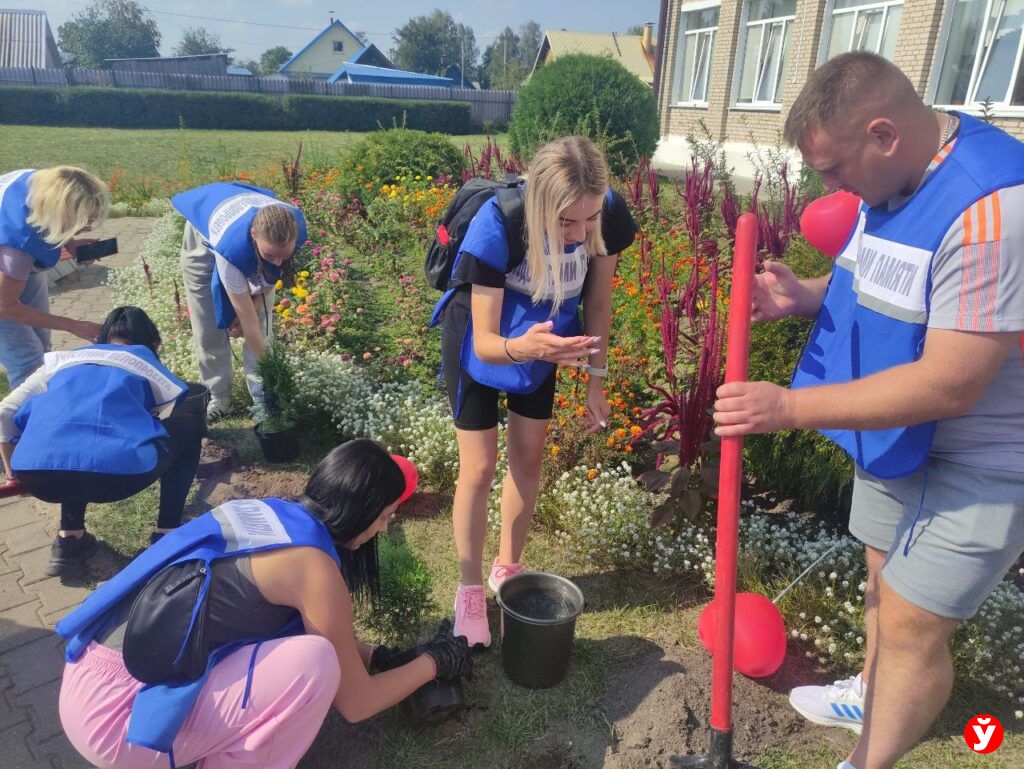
x: 21, y: 346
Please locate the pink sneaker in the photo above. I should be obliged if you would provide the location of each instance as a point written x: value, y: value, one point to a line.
x: 471, y: 615
x: 499, y: 573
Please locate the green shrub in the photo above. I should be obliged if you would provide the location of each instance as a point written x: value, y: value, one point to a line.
x: 801, y: 465
x: 360, y: 113
x: 589, y: 95
x: 152, y: 108
x: 405, y: 597
x: 383, y: 156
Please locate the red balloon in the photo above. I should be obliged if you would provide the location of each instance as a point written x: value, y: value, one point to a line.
x: 412, y: 476
x: 759, y: 637
x: 828, y: 222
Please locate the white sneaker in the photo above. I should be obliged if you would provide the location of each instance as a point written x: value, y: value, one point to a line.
x: 838, y: 704
x: 845, y: 765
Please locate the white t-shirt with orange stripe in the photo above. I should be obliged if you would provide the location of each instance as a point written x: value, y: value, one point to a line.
x: 978, y: 286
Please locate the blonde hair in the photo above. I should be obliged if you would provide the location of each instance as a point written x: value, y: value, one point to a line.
x: 561, y: 173
x: 63, y: 201
x: 277, y: 224
x: 841, y: 88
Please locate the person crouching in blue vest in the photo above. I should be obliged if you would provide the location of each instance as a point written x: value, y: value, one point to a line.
x: 228, y: 640
x: 40, y: 212
x: 507, y: 328
x: 100, y: 424
x: 237, y: 239
x: 914, y: 368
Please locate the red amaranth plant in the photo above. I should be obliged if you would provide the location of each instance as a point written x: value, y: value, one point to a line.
x: 492, y: 164
x: 643, y: 188
x: 693, y: 338
x: 293, y: 172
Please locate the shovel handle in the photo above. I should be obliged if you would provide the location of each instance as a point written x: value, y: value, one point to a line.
x: 736, y: 360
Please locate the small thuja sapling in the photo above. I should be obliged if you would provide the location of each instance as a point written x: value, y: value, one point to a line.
x: 279, y: 387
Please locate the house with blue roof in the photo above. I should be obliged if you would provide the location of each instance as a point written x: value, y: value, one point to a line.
x: 365, y: 73
x: 333, y: 46
x: 338, y: 55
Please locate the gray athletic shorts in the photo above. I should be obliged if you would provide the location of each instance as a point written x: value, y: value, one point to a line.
x: 970, y: 532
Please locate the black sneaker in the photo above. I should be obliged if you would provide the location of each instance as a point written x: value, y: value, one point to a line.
x: 69, y: 553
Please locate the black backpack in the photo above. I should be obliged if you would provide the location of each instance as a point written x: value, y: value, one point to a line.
x: 453, y: 225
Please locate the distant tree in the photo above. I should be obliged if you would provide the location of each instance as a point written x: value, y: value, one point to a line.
x: 195, y: 41
x: 253, y: 66
x: 530, y: 38
x: 508, y: 61
x: 636, y: 29
x: 272, y: 59
x: 109, y: 29
x: 430, y: 44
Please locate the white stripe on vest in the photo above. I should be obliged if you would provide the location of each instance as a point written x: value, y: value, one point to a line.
x: 250, y: 523
x: 233, y: 209
x: 10, y: 178
x: 164, y: 389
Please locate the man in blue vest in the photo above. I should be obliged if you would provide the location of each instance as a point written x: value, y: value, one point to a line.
x: 915, y: 368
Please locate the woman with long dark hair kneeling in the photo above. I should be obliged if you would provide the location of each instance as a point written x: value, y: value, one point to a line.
x: 100, y: 424
x: 228, y: 640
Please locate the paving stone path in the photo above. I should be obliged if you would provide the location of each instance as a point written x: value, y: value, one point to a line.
x: 31, y: 656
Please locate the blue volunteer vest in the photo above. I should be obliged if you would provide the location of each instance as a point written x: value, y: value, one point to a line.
x: 875, y: 311
x: 518, y: 310
x: 235, y: 528
x: 99, y: 412
x: 15, y: 231
x: 223, y: 212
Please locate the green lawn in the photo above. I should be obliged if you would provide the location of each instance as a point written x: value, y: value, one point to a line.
x: 161, y: 152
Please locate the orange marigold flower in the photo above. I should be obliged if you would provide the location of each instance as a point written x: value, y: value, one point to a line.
x: 591, y: 474
x: 554, y: 451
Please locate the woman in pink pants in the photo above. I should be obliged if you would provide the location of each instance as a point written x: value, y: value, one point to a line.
x: 277, y: 633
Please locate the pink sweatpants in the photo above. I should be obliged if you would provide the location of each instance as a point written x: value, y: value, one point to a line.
x: 294, y: 683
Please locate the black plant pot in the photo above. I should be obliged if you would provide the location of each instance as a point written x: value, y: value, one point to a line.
x: 436, y: 701
x: 280, y: 445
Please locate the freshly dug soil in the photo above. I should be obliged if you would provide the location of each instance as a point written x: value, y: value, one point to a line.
x: 250, y: 483
x: 660, y: 705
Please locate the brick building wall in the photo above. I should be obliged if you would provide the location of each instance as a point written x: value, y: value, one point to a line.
x: 916, y: 51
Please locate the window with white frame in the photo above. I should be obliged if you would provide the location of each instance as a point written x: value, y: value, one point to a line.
x: 698, y: 23
x: 982, y: 57
x: 864, y: 25
x: 767, y: 30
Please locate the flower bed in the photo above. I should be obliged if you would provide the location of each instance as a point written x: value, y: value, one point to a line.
x: 365, y: 363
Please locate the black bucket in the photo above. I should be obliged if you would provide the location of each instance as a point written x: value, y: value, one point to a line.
x: 193, y: 407
x: 280, y: 445
x: 538, y: 622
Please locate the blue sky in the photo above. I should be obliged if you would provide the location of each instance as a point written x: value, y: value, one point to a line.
x: 378, y: 20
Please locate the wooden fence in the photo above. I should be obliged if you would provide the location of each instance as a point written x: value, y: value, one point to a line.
x: 486, y: 106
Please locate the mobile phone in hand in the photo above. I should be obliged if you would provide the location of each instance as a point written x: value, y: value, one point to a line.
x: 89, y: 252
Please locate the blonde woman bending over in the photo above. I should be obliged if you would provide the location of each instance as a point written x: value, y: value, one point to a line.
x: 507, y: 328
x: 40, y: 212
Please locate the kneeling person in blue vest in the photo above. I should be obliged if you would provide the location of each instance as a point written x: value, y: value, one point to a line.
x: 41, y: 211
x: 237, y: 239
x: 100, y: 424
x: 229, y: 639
x: 914, y: 368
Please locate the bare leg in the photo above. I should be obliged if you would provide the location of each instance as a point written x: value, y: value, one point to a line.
x: 526, y: 439
x: 875, y: 560
x: 911, y: 679
x: 478, y: 451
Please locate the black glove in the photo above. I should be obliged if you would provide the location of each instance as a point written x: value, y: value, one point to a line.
x: 450, y: 653
x: 389, y: 657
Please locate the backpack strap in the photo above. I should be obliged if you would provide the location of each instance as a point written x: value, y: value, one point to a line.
x: 510, y: 203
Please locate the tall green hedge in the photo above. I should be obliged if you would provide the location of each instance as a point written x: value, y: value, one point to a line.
x: 151, y: 108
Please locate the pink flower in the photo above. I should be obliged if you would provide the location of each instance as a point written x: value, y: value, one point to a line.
x: 322, y: 233
x: 317, y: 250
x: 345, y: 357
x: 367, y: 355
x: 331, y: 329
x: 346, y: 262
x: 332, y: 275
x: 285, y: 302
x: 335, y: 318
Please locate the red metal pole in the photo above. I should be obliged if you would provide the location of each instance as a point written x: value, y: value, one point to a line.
x: 730, y: 475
